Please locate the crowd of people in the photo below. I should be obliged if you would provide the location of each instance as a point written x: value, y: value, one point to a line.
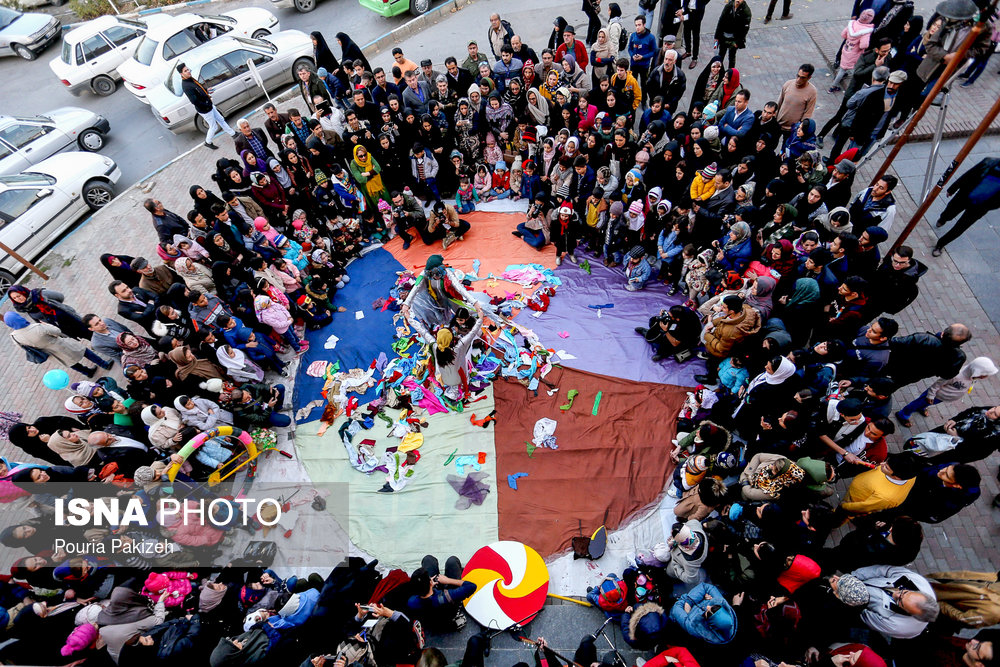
x: 786, y: 294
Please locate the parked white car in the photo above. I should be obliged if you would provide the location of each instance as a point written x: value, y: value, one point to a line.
x: 221, y: 66
x: 38, y: 205
x: 25, y: 141
x: 162, y: 46
x: 26, y: 34
x: 92, y: 52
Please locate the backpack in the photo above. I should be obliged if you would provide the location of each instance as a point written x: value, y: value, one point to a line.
x: 612, y: 594
x: 623, y: 39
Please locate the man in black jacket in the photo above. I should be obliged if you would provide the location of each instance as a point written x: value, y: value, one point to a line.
x: 136, y: 304
x: 923, y: 355
x: 710, y: 213
x: 167, y: 223
x: 667, y: 81
x: 202, y: 102
x: 253, y: 140
x: 978, y: 193
x: 895, y: 282
x: 275, y: 123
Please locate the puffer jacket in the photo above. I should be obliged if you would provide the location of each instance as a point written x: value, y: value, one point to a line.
x: 726, y: 331
x: 643, y: 627
x: 177, y: 584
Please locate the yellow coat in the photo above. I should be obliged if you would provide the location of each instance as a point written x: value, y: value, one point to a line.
x: 873, y: 492
x: 700, y: 188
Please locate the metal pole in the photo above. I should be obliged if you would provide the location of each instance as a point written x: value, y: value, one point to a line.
x: 936, y: 148
x: 22, y: 260
x: 946, y: 176
x: 957, y: 59
x: 113, y: 7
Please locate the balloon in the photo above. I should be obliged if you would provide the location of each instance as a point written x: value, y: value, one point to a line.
x: 56, y: 379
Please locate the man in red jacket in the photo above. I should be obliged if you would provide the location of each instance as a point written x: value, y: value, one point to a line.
x: 570, y: 43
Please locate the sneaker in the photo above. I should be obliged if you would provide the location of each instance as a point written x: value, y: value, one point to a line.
x: 211, y: 145
x: 641, y: 330
x: 704, y: 379
x: 819, y: 142
x: 460, y: 619
x: 418, y: 633
x: 448, y: 239
x: 703, y: 355
x: 673, y: 492
x: 572, y: 258
x: 672, y: 290
x: 517, y: 234
x: 937, y: 252
x: 558, y: 260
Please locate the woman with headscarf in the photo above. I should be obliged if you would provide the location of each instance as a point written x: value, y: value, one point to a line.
x: 573, y: 76
x: 602, y: 57
x: 203, y: 200
x: 556, y: 37
x: 120, y: 268
x: 189, y: 365
x: 32, y: 439
x: 36, y: 628
x: 725, y: 94
x: 136, y: 350
x: 802, y: 139
x: 322, y: 55
x: 735, y: 249
x: 708, y: 81
x: 450, y: 357
x: 235, y: 182
x: 251, y: 164
x: 552, y: 83
x: 367, y: 174
x: 798, y: 310
x: 165, y: 427
x: 760, y: 296
x: 196, y: 276
x: 270, y: 196
x: 46, y: 306
x: 769, y: 391
x: 238, y: 366
x: 72, y: 446
x: 351, y: 51
x: 499, y: 118
x: 127, y: 617
x: 466, y: 125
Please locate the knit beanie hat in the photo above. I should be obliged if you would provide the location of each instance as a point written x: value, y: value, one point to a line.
x: 696, y: 465
x: 852, y: 591
x: 635, y: 208
x: 711, y: 132
x: 710, y: 110
x: 709, y: 171
x: 617, y: 208
x: 143, y: 475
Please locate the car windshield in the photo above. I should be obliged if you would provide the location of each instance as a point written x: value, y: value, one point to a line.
x: 27, y: 178
x: 257, y: 44
x: 67, y: 52
x: 144, y: 52
x: 32, y: 119
x: 8, y: 16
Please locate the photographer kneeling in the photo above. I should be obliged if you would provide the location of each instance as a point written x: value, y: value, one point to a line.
x: 673, y: 332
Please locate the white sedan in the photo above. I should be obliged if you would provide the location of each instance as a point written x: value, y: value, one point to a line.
x: 164, y: 45
x: 25, y: 141
x: 221, y: 66
x: 38, y: 205
x: 92, y: 51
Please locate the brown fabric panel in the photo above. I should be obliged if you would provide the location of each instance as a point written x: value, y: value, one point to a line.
x: 618, y: 460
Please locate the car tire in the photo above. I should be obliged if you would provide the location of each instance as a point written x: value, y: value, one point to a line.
x: 418, y: 7
x: 261, y: 34
x: 6, y: 280
x: 300, y: 63
x: 102, y: 85
x: 24, y: 51
x: 90, y: 140
x: 97, y: 194
x: 200, y: 124
x: 304, y: 6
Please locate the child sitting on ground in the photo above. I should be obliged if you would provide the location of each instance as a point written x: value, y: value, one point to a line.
x: 466, y: 196
x: 501, y: 182
x: 516, y: 175
x: 483, y: 182
x: 315, y: 316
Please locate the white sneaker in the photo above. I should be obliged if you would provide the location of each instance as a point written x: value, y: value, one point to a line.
x: 558, y: 260
x: 572, y: 258
x: 673, y: 492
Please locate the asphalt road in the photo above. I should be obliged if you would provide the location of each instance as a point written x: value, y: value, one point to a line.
x: 33, y: 89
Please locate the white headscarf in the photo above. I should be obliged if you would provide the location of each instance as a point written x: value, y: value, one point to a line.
x: 238, y: 366
x: 785, y: 370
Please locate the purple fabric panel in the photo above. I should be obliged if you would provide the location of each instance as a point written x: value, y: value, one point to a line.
x: 608, y: 345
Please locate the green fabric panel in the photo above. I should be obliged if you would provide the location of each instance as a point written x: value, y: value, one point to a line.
x: 402, y: 527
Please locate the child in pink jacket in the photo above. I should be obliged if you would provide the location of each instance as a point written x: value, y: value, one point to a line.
x: 856, y: 36
x: 276, y: 316
x: 176, y: 584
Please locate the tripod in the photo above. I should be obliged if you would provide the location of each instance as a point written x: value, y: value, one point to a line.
x: 618, y: 660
